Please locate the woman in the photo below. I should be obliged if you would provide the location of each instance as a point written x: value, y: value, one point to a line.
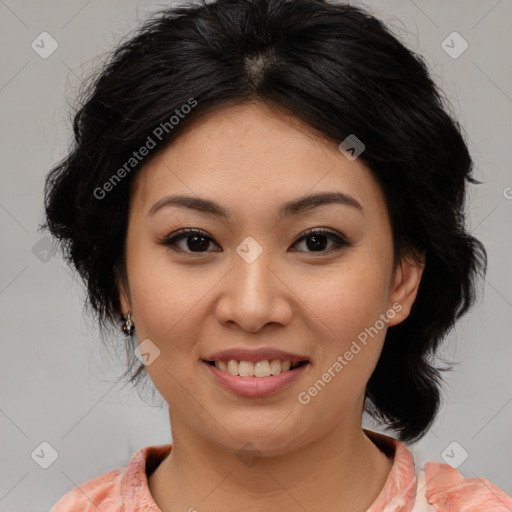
x: 270, y: 196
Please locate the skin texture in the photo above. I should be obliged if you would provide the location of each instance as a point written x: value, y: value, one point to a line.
x: 251, y: 159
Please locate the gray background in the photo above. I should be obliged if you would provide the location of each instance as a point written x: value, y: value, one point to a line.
x: 59, y: 386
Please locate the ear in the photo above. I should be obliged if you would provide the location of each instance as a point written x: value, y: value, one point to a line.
x: 405, y: 282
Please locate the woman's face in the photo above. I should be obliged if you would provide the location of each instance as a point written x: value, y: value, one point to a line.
x: 255, y: 281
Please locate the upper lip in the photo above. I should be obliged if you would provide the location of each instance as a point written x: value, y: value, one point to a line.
x: 259, y: 354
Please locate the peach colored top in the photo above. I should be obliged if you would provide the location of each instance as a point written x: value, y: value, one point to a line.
x: 436, y: 488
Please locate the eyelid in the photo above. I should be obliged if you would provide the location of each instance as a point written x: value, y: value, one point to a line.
x: 170, y: 240
x: 321, y: 231
x: 338, y: 238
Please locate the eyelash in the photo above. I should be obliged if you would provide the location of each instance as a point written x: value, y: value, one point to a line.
x: 181, y: 234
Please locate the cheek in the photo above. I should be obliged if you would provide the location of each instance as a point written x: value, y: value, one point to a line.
x: 166, y: 304
x: 170, y: 314
x: 350, y: 298
x: 347, y: 306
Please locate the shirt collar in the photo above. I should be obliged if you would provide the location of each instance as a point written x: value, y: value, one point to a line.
x: 397, y: 495
x: 399, y: 491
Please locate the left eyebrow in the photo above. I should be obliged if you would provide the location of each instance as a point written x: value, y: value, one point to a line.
x: 293, y: 207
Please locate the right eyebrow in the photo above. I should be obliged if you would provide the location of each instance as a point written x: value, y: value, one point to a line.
x: 292, y: 207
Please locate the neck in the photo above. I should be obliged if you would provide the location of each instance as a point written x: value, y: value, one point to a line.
x: 344, y: 468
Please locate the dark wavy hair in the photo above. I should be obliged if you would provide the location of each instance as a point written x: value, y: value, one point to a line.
x: 335, y: 67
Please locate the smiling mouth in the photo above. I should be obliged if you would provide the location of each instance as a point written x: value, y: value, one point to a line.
x: 257, y: 369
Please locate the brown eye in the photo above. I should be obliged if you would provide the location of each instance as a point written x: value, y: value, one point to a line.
x: 194, y: 241
x: 316, y: 240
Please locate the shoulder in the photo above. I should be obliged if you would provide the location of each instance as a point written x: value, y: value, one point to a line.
x: 120, y: 489
x: 449, y: 491
x: 95, y: 494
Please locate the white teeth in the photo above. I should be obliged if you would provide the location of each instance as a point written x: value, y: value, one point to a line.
x: 232, y: 367
x: 275, y: 367
x: 263, y: 368
x: 246, y: 369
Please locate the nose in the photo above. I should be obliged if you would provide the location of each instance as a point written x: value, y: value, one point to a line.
x: 253, y: 295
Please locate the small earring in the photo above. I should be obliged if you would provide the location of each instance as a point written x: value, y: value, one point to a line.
x: 128, y: 325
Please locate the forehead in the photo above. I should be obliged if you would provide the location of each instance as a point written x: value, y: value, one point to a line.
x: 252, y: 152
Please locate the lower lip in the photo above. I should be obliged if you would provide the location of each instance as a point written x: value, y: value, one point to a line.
x: 256, y: 386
